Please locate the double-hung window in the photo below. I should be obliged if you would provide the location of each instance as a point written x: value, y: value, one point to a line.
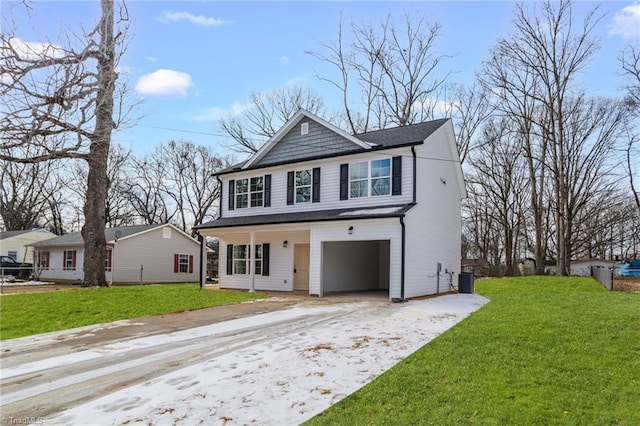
x: 249, y: 192
x: 108, y: 256
x: 370, y: 178
x: 69, y: 260
x: 303, y: 186
x: 183, y: 263
x: 240, y: 258
x: 258, y: 259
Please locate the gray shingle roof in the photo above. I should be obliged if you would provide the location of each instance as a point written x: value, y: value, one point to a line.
x: 9, y: 234
x: 412, y: 134
x: 403, y: 135
x: 75, y: 238
x: 311, y: 216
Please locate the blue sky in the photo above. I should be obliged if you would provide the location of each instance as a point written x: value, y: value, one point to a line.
x: 192, y: 62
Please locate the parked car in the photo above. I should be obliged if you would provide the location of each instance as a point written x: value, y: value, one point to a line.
x: 8, y: 266
x: 630, y: 269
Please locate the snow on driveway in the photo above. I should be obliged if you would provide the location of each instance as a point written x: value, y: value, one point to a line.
x: 277, y: 368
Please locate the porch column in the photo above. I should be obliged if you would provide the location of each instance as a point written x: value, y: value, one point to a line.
x: 252, y: 268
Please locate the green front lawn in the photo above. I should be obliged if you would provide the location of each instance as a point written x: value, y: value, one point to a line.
x: 27, y: 314
x: 545, y: 350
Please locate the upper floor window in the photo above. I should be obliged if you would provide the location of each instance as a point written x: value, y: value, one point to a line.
x: 370, y: 178
x: 303, y: 186
x: 249, y: 192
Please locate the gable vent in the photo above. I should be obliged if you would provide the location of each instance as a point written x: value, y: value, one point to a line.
x: 304, y: 129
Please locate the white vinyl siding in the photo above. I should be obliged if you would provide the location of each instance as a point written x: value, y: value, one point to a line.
x: 280, y: 276
x: 329, y: 185
x: 148, y: 253
x: 428, y: 245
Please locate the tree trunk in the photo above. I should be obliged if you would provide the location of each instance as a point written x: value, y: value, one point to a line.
x: 97, y: 179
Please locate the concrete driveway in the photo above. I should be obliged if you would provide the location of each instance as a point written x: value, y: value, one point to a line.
x: 279, y: 361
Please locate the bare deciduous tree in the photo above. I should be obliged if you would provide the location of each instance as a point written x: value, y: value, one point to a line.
x: 541, y: 59
x: 25, y: 192
x: 59, y: 103
x: 266, y: 113
x: 387, y: 73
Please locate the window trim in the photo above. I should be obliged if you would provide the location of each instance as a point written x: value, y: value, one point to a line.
x: 108, y: 259
x: 183, y: 261
x: 43, y: 259
x: 66, y: 259
x: 369, y: 178
x: 248, y: 193
x: 296, y: 186
x: 245, y: 259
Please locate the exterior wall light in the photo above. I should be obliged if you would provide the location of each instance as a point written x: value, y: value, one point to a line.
x: 350, y: 231
x: 285, y: 243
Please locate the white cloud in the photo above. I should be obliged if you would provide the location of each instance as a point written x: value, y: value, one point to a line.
x: 151, y: 58
x: 164, y: 83
x: 201, y: 20
x: 284, y: 60
x: 31, y: 50
x: 626, y: 22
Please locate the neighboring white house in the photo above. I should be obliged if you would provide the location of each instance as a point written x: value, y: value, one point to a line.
x: 15, y: 244
x: 145, y: 253
x: 583, y: 267
x: 319, y: 210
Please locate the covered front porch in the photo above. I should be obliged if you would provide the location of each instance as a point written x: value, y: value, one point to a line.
x: 303, y: 258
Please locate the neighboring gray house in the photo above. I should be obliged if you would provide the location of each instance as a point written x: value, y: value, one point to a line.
x: 15, y: 244
x: 319, y: 210
x: 144, y: 253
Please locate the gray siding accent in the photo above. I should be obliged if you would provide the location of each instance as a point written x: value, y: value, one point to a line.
x: 319, y: 141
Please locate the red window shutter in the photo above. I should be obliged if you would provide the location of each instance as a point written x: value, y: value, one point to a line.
x: 74, y: 260
x: 176, y: 259
x: 46, y: 258
x: 64, y: 259
x: 191, y: 264
x: 38, y: 263
x: 109, y: 254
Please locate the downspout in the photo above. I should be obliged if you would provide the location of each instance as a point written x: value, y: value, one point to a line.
x: 402, y: 259
x: 201, y: 240
x: 219, y: 202
x: 415, y: 171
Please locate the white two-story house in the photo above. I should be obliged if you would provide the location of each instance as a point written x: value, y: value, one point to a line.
x: 321, y: 211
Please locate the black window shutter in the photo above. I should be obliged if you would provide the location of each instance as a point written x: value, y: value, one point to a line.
x: 396, y: 176
x: 229, y: 259
x: 290, y: 188
x: 344, y: 181
x: 265, y: 259
x: 232, y: 185
x: 267, y: 190
x: 315, y: 191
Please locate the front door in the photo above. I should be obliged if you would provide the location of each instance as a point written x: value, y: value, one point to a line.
x: 301, y: 267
